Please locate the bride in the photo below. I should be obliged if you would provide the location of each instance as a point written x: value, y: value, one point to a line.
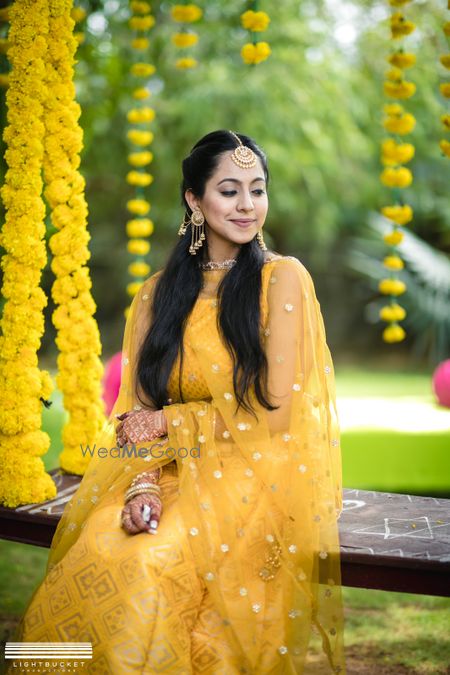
x: 223, y: 445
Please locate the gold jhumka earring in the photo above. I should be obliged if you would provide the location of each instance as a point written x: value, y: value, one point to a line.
x: 197, y: 222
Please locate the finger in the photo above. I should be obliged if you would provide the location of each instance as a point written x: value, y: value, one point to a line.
x: 127, y: 523
x: 136, y: 515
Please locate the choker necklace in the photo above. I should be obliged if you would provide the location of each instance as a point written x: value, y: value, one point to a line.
x: 224, y: 265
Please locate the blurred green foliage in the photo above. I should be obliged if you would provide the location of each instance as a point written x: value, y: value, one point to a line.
x: 315, y: 106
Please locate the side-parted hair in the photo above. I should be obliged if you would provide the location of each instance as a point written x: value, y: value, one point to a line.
x: 180, y: 283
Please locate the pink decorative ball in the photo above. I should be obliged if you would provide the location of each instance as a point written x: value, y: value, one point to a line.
x: 441, y: 383
x: 111, y: 381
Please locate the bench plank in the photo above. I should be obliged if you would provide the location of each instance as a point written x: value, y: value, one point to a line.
x: 391, y: 542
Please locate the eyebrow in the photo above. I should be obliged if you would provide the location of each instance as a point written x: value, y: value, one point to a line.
x: 234, y: 180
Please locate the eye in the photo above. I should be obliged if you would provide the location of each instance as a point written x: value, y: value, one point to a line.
x: 259, y: 191
x: 228, y: 193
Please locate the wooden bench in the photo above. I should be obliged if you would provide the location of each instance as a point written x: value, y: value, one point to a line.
x: 390, y: 542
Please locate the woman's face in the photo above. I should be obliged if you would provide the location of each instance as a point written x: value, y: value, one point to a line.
x: 235, y: 202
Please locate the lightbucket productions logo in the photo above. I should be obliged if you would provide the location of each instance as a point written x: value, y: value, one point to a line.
x: 47, y: 657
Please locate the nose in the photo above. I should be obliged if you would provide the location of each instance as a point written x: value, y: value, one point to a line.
x: 245, y: 202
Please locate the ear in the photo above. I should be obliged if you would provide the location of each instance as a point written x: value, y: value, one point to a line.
x: 191, y: 199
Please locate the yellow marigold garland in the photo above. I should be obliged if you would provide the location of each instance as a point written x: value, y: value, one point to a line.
x: 444, y: 88
x: 79, y: 367
x: 24, y: 386
x: 255, y: 21
x: 185, y: 37
x: 395, y: 153
x: 139, y: 158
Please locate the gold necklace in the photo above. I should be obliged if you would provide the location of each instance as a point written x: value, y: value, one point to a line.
x: 223, y: 265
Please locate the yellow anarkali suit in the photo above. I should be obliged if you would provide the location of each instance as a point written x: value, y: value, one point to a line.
x: 246, y: 559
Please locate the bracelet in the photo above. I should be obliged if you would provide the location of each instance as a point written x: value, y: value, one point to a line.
x: 149, y: 475
x: 150, y: 487
x: 141, y: 491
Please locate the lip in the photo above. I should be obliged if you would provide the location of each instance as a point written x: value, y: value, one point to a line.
x: 244, y: 222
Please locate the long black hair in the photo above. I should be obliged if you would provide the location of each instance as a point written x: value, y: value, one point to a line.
x: 180, y: 283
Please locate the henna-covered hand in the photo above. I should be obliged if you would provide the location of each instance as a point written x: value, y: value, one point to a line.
x: 132, y: 517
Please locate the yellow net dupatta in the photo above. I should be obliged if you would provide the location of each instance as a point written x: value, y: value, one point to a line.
x: 260, y: 498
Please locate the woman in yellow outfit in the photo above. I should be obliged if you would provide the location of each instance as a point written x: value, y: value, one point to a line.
x: 229, y: 437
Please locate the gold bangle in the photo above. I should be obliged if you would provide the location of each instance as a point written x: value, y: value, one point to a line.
x: 140, y: 491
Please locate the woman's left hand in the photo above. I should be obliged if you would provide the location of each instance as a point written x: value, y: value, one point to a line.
x: 140, y: 426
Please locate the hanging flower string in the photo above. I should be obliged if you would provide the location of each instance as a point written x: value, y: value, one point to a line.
x: 140, y: 227
x: 445, y: 91
x: 395, y: 153
x: 24, y: 386
x: 185, y: 38
x: 78, y: 14
x: 79, y: 367
x: 4, y: 44
x: 255, y: 22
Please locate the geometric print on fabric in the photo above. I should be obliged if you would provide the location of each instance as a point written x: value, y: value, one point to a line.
x: 60, y: 599
x: 131, y: 569
x: 115, y: 619
x: 162, y: 655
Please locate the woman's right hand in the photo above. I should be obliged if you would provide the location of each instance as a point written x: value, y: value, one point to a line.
x: 132, y: 514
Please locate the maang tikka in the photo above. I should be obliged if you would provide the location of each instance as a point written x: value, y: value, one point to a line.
x: 197, y: 222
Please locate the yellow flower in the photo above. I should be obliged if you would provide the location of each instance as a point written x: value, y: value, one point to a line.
x: 138, y: 269
x: 140, y: 43
x: 141, y: 115
x: 398, y: 3
x: 402, y: 59
x: 184, y: 39
x: 255, y: 21
x: 400, y: 89
x: 141, y: 93
x: 399, y: 178
x: 393, y: 109
x: 78, y: 14
x: 394, y: 238
x: 141, y: 138
x: 445, y: 147
x: 140, y: 227
x: 140, y: 159
x: 445, y: 119
x: 186, y: 13
x: 396, y: 153
x: 140, y: 7
x: 399, y: 214
x: 142, y: 69
x: 393, y: 262
x: 140, y: 207
x: 79, y: 37
x: 141, y: 22
x: 401, y: 124
x: 393, y: 312
x: 134, y: 287
x: 393, y: 333
x: 394, y: 74
x: 139, y: 178
x: 138, y: 246
x: 445, y: 89
x: 400, y: 26
x: 445, y: 60
x: 392, y: 287
x: 446, y: 28
x: 253, y: 54
x: 184, y: 64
